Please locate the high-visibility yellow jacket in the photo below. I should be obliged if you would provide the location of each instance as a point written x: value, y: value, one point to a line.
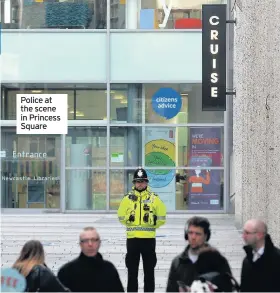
x: 138, y: 204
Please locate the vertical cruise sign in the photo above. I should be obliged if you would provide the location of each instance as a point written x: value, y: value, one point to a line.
x: 214, y: 57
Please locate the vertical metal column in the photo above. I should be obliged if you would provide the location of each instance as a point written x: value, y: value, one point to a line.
x: 143, y: 125
x: 131, y: 14
x: 228, y: 115
x: 62, y: 174
x: 108, y: 77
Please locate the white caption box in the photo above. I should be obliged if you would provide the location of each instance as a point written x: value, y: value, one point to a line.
x: 42, y: 113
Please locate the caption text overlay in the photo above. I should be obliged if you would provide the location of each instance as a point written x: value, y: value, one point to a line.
x: 42, y: 113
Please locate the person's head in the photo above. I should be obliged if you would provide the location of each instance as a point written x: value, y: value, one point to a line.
x: 140, y: 179
x: 90, y: 241
x: 209, y: 260
x: 197, y: 232
x: 32, y: 253
x: 254, y: 232
x: 210, y: 267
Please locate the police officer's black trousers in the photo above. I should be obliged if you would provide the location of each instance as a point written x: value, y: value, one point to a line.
x: 147, y: 248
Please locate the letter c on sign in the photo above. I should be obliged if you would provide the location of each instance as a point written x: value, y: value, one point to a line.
x: 212, y: 22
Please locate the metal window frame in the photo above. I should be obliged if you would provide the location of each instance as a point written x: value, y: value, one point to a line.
x: 108, y: 76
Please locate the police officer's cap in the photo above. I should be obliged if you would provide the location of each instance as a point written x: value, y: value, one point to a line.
x: 140, y: 175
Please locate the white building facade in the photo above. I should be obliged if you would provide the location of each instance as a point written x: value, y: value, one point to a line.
x: 132, y: 73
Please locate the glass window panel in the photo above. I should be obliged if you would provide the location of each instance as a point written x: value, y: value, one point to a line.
x: 91, y: 104
x: 86, y: 147
x: 125, y: 146
x: 11, y: 94
x: 191, y: 107
x: 85, y: 189
x: 196, y: 189
x: 184, y: 146
x: 126, y: 103
x: 30, y: 174
x: 61, y: 14
x: 120, y: 184
x: 118, y: 14
x: 181, y: 14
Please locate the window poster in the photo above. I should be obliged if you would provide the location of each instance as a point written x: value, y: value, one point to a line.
x: 205, y: 185
x: 160, y: 152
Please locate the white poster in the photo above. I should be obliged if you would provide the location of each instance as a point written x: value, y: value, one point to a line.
x: 42, y: 113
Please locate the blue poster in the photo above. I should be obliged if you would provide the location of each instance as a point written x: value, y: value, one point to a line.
x: 167, y: 102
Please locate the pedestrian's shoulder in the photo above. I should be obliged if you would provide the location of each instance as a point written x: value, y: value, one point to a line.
x: 129, y: 194
x: 154, y: 194
x: 277, y: 252
x: 39, y: 271
x: 69, y: 265
x: 177, y: 260
x: 109, y: 266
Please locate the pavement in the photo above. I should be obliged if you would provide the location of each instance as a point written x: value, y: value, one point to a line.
x: 59, y: 234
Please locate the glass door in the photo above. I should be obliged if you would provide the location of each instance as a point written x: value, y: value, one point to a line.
x: 30, y: 170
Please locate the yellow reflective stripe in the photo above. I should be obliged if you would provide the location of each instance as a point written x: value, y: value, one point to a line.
x: 121, y: 218
x: 161, y: 218
x: 140, y: 229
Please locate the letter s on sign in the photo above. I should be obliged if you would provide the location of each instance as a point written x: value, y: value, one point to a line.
x: 212, y: 22
x: 214, y: 77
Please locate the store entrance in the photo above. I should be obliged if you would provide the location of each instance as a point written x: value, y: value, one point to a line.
x: 30, y: 170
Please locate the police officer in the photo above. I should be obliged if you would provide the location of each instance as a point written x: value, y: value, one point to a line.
x: 142, y: 212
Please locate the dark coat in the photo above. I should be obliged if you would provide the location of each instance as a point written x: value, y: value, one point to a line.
x: 262, y: 275
x: 41, y: 279
x: 213, y: 266
x: 184, y: 270
x: 90, y: 274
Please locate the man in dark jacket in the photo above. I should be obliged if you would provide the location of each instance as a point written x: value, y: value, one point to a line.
x: 261, y: 267
x: 183, y: 268
x: 90, y: 272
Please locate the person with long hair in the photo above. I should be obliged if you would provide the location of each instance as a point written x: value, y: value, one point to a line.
x: 31, y: 264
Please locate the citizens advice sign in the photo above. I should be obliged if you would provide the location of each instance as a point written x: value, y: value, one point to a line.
x: 214, y: 57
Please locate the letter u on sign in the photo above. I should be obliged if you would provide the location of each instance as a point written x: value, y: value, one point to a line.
x: 214, y: 57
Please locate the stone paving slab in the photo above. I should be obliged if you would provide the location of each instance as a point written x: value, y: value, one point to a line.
x: 59, y: 233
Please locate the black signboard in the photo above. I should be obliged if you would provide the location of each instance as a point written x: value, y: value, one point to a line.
x: 214, y: 57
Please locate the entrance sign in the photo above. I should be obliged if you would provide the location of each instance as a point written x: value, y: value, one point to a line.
x: 167, y: 102
x: 214, y: 57
x: 42, y: 113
